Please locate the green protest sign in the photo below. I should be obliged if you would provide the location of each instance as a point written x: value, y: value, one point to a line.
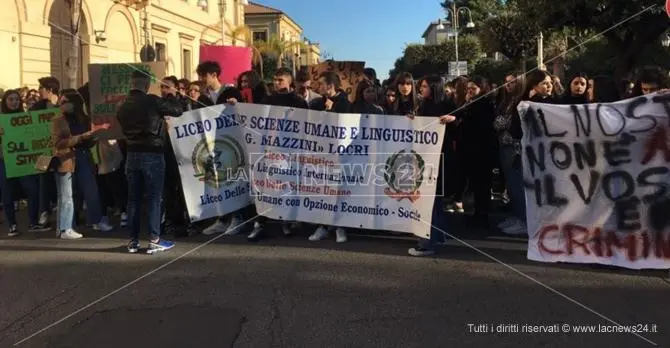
x: 109, y: 85
x: 26, y: 137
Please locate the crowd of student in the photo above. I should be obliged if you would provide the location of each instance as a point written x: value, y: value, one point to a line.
x: 483, y: 132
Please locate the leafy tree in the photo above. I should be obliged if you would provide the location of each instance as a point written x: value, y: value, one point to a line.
x: 599, y: 58
x: 480, y: 9
x: 266, y: 67
x: 638, y: 23
x: 422, y: 60
x: 510, y: 33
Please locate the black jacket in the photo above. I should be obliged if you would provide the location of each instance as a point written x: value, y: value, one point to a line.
x: 290, y: 100
x: 141, y: 118
x: 478, y: 135
x: 42, y: 104
x: 228, y: 92
x: 341, y: 103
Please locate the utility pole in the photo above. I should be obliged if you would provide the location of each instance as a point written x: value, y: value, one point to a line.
x: 540, y: 51
x: 74, y: 56
x: 454, y: 22
x: 223, y: 7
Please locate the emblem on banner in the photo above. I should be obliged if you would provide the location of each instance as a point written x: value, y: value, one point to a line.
x: 217, y: 162
x: 404, y: 174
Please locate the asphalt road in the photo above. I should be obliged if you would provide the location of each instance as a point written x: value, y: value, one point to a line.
x: 288, y: 292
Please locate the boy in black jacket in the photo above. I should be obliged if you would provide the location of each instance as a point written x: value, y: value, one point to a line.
x: 214, y: 94
x: 333, y: 98
x: 282, y: 95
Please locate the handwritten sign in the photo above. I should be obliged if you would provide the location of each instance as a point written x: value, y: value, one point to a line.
x: 109, y: 86
x: 596, y: 178
x: 26, y: 137
x: 350, y: 73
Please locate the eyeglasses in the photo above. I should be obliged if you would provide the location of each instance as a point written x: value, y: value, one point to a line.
x: 390, y: 96
x: 194, y: 90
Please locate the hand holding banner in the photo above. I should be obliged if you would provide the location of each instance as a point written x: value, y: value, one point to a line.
x: 345, y: 170
x: 597, y: 179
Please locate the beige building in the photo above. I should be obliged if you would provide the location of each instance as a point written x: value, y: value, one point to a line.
x: 311, y: 55
x: 35, y: 37
x: 265, y: 22
x: 434, y: 35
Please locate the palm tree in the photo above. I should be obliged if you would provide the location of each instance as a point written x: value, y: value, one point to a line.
x: 278, y: 48
x: 241, y: 32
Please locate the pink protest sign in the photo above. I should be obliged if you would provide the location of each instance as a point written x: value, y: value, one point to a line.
x: 234, y: 60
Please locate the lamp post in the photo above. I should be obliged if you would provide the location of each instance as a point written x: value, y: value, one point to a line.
x: 453, y: 12
x: 223, y: 7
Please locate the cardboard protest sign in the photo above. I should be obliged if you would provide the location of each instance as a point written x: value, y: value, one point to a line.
x: 350, y: 73
x: 26, y: 137
x: 109, y: 84
x: 596, y: 179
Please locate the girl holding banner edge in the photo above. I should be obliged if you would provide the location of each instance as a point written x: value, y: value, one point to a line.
x: 435, y: 103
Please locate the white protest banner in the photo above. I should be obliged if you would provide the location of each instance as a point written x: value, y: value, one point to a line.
x: 597, y: 179
x: 212, y: 163
x: 347, y: 170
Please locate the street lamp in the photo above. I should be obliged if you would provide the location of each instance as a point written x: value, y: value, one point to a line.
x: 666, y: 41
x: 453, y: 13
x: 223, y: 7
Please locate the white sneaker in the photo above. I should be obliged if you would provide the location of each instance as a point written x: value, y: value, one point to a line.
x: 103, y: 225
x: 70, y: 234
x: 256, y: 232
x: 287, y: 229
x: 233, y: 226
x: 44, y: 218
x: 508, y: 222
x: 217, y: 227
x: 124, y: 219
x: 341, y: 235
x: 517, y: 229
x: 321, y: 233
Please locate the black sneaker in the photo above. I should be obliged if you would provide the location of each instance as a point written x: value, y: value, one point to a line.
x: 38, y: 228
x: 13, y: 231
x: 133, y: 246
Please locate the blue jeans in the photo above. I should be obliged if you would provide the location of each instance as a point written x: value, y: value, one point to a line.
x: 84, y: 178
x: 438, y: 226
x: 30, y: 187
x: 145, y: 172
x: 513, y: 180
